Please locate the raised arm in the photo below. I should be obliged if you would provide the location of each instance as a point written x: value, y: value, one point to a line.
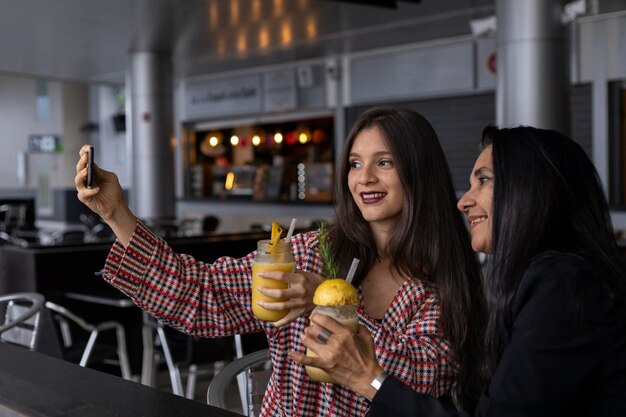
x: 197, y: 298
x: 105, y: 198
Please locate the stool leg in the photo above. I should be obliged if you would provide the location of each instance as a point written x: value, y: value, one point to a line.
x: 191, y: 381
x: 241, y: 378
x: 177, y: 385
x: 90, y: 343
x: 122, y: 353
x: 147, y: 366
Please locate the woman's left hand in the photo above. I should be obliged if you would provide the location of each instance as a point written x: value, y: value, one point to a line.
x: 347, y: 357
x: 299, y: 294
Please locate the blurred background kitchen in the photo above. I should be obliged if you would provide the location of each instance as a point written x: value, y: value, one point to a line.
x: 237, y: 108
x: 220, y: 116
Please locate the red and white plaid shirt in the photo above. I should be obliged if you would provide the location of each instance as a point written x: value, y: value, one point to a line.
x: 214, y: 300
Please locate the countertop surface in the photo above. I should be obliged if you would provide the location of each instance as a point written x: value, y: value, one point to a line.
x: 33, y: 384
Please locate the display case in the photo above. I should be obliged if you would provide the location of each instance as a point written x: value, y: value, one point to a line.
x: 272, y: 162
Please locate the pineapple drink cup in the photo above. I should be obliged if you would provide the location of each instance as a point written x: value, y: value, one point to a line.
x: 338, y: 299
x: 272, y: 255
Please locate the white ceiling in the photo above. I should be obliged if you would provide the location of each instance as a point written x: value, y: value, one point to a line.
x: 90, y: 40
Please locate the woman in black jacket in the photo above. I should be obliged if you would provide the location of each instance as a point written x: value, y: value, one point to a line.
x: 556, y: 330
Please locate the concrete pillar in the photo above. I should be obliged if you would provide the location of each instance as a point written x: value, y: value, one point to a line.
x: 533, y: 75
x: 152, y: 151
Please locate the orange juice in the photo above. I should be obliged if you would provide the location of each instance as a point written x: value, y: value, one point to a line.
x: 281, y: 260
x: 347, y: 316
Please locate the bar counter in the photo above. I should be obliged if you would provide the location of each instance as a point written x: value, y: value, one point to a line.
x: 70, y: 267
x: 33, y: 384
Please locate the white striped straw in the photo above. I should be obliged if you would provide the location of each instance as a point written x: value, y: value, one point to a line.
x: 292, y: 226
x: 352, y: 270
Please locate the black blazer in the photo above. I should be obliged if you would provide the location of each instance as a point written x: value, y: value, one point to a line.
x: 564, y: 357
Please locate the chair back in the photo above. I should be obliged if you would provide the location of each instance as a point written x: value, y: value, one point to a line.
x: 257, y: 367
x: 22, y: 312
x: 84, y: 353
x: 63, y: 317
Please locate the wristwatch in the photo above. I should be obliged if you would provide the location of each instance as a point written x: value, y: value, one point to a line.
x: 378, y: 381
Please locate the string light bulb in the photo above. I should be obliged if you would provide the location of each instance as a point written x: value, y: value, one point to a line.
x: 230, y: 181
x: 242, y: 41
x: 264, y: 37
x: 256, y: 140
x: 234, y: 140
x: 311, y: 28
x: 278, y: 137
x: 234, y: 12
x: 286, y: 34
x: 256, y: 10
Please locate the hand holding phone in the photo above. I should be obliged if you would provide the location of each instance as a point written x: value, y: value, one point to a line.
x: 90, y: 173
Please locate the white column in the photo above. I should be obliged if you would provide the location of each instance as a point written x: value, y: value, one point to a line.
x: 533, y: 78
x: 152, y: 150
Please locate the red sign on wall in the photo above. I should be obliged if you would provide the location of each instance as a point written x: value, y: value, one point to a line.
x: 491, y: 63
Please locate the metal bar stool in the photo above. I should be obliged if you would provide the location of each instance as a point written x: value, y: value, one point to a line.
x: 22, y: 313
x: 62, y: 315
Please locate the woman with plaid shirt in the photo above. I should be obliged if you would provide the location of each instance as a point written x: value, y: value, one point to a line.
x: 556, y: 339
x: 418, y: 280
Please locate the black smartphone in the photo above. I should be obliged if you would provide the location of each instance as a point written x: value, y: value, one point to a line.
x: 90, y: 168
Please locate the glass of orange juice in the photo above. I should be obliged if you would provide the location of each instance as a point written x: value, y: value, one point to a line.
x: 338, y: 299
x: 347, y: 316
x: 280, y: 260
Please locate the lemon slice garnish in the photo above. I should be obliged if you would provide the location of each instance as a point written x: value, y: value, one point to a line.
x: 276, y: 232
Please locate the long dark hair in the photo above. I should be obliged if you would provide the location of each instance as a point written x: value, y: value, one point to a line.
x: 430, y: 241
x: 547, y: 197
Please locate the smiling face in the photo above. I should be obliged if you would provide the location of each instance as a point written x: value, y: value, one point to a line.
x: 477, y: 203
x: 373, y: 180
